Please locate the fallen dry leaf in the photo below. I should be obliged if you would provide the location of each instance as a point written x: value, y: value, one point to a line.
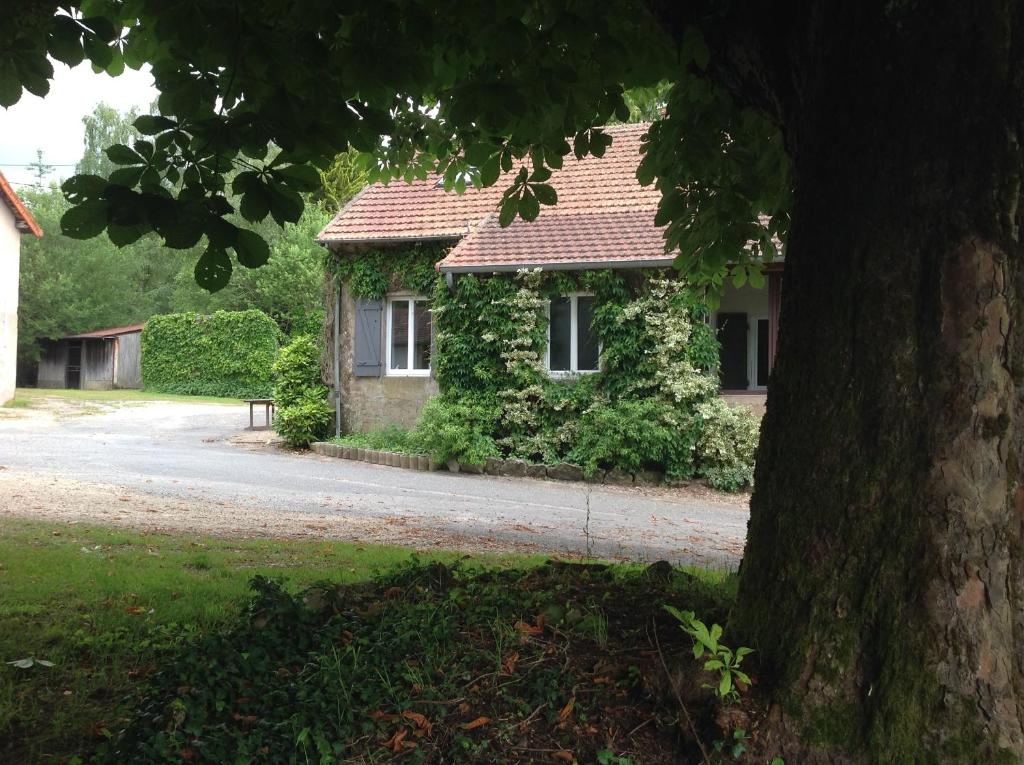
x: 563, y: 755
x: 528, y: 629
x: 477, y: 723
x: 395, y: 742
x: 567, y: 709
x: 509, y: 665
x: 418, y: 720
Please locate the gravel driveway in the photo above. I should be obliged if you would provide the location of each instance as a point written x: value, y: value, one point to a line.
x: 183, y: 466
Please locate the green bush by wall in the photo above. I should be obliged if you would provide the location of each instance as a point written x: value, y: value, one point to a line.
x: 229, y: 353
x: 300, y: 398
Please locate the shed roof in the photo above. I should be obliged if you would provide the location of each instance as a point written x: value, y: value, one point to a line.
x: 603, y: 218
x: 108, y: 332
x: 23, y: 219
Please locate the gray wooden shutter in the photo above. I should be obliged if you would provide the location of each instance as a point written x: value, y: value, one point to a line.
x: 366, y: 361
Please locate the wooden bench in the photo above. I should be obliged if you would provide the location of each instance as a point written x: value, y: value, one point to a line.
x: 268, y: 403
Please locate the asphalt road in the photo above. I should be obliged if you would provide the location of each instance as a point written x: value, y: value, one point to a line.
x: 185, y: 451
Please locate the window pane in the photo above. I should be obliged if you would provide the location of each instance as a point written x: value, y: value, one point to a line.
x: 421, y: 335
x: 400, y: 334
x: 586, y: 338
x: 762, y: 352
x: 561, y: 334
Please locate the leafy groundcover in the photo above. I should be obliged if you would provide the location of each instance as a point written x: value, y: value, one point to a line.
x: 434, y: 664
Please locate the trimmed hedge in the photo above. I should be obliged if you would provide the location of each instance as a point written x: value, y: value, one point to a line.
x: 227, y: 354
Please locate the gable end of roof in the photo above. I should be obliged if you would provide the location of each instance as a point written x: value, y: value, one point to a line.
x: 23, y: 219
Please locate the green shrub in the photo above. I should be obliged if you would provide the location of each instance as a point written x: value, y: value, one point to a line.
x: 296, y: 370
x: 300, y: 398
x: 457, y: 429
x: 391, y: 438
x: 229, y: 353
x: 727, y: 444
x: 635, y: 435
x: 703, y: 348
x: 307, y: 419
x: 303, y: 323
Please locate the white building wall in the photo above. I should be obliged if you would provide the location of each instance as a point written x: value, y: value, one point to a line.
x: 10, y: 254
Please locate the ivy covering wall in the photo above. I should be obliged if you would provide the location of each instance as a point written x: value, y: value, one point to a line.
x: 653, y: 406
x: 373, y: 273
x: 229, y: 353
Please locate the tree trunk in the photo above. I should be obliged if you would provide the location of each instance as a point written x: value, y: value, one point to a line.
x: 882, y: 582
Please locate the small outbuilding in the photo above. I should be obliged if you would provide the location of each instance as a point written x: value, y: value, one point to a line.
x: 103, y: 359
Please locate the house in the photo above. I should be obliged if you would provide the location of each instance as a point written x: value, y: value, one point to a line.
x: 604, y: 220
x: 103, y: 359
x: 15, y: 221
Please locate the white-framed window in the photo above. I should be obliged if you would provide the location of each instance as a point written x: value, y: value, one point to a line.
x: 744, y: 350
x: 407, y: 341
x: 573, y: 345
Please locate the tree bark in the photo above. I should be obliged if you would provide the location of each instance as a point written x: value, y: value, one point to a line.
x: 883, y: 577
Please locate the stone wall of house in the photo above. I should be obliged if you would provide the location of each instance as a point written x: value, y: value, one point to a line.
x: 369, y: 403
x: 754, y: 401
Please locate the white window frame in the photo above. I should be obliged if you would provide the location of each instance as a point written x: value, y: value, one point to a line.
x: 573, y: 340
x: 410, y: 350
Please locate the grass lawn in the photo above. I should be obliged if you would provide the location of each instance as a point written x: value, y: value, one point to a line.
x: 103, y: 605
x: 29, y: 397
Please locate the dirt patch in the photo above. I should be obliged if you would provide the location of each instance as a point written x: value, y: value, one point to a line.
x: 62, y: 500
x: 56, y: 408
x: 257, y: 439
x: 690, y: 492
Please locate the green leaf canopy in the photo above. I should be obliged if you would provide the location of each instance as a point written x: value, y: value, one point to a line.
x: 465, y: 88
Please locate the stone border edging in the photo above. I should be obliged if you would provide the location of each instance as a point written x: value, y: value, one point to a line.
x: 563, y: 471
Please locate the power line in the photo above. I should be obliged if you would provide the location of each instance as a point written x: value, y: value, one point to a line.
x: 36, y: 164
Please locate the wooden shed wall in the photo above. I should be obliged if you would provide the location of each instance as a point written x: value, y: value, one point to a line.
x: 97, y: 364
x: 128, y: 370
x: 52, y: 364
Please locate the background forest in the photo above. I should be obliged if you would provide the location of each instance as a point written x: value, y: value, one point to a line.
x: 73, y: 285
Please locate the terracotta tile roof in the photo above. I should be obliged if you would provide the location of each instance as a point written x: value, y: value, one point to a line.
x: 563, y: 240
x: 23, y: 219
x: 108, y: 332
x: 603, y: 216
x: 410, y: 211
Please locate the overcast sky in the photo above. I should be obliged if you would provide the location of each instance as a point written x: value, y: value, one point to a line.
x: 54, y: 123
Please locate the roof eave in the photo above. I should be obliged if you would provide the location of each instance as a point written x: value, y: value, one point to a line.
x: 591, y: 265
x: 21, y: 214
x: 447, y: 237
